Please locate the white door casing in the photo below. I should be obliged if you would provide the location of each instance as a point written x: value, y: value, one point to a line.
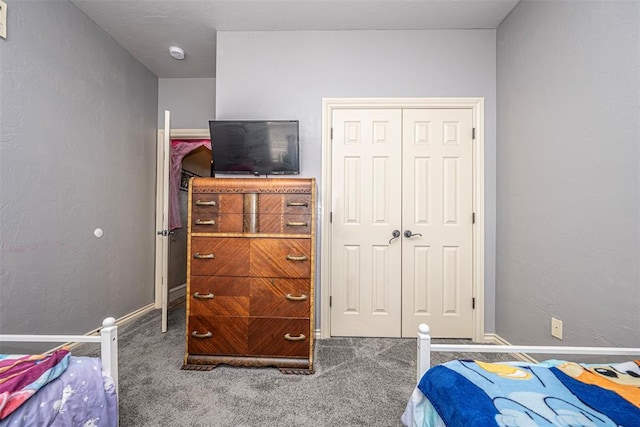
x: 366, y: 163
x: 453, y: 254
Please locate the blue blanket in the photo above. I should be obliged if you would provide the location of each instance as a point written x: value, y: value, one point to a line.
x: 554, y: 393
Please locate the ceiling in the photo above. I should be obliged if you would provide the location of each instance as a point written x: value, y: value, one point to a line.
x: 146, y: 28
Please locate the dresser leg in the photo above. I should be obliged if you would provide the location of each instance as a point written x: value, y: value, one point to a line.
x: 191, y: 367
x: 292, y: 371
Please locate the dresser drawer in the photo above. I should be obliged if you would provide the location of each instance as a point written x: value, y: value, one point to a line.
x: 216, y: 213
x: 279, y: 204
x: 278, y: 297
x: 278, y: 337
x: 219, y: 296
x: 219, y: 256
x: 218, y: 335
x: 206, y: 203
x: 280, y: 258
x: 285, y: 224
x: 216, y: 223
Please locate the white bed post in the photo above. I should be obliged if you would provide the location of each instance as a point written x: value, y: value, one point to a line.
x: 109, y: 348
x: 424, y: 350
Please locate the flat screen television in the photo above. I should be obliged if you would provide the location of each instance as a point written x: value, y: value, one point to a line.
x: 254, y: 147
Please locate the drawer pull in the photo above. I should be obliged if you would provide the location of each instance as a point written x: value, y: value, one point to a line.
x: 294, y: 298
x: 205, y: 221
x: 300, y: 337
x: 195, y: 334
x: 205, y: 203
x: 296, y: 224
x: 298, y: 204
x: 200, y: 296
x: 203, y: 256
x: 297, y: 258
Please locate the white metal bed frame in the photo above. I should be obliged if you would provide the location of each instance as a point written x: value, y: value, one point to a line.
x: 108, y: 340
x: 425, y: 348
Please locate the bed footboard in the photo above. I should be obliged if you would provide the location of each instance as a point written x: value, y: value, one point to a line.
x: 425, y: 348
x: 108, y: 340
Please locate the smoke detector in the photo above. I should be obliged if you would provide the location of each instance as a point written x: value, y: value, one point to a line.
x: 176, y: 52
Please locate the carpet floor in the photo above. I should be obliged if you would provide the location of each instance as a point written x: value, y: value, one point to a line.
x: 358, y: 382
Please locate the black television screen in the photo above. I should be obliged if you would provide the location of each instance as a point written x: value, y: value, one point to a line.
x: 255, y: 147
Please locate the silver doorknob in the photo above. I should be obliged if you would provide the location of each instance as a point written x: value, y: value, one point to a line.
x: 395, y: 234
x: 408, y: 233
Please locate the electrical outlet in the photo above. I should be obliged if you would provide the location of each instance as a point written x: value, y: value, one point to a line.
x: 3, y: 19
x: 556, y: 328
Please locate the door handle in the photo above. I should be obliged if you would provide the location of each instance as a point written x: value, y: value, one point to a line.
x: 408, y: 233
x: 395, y: 234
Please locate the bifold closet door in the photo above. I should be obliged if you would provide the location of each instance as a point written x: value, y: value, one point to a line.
x: 366, y: 209
x: 437, y: 197
x: 401, y: 250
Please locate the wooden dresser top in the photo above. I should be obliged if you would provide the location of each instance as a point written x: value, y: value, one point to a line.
x: 253, y: 185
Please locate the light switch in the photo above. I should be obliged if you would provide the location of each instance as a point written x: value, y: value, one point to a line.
x: 3, y: 19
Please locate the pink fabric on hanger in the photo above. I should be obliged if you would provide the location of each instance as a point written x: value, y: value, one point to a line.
x: 179, y: 149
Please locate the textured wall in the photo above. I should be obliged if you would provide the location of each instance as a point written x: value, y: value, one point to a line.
x: 78, y: 120
x: 285, y: 75
x: 191, y: 102
x: 568, y: 233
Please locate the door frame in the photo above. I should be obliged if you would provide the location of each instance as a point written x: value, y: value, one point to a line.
x: 476, y: 104
x: 160, y: 261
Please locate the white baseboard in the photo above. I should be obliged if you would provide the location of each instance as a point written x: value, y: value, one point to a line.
x: 488, y: 339
x: 492, y: 339
x: 119, y: 322
x: 134, y: 315
x: 178, y: 292
x: 497, y: 339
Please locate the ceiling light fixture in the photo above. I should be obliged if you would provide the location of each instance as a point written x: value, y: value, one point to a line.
x: 176, y: 52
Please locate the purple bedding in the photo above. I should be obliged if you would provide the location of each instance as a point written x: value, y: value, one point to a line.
x: 81, y: 396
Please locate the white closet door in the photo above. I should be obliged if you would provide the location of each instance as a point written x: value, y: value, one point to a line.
x: 437, y: 206
x: 408, y: 170
x: 366, y: 207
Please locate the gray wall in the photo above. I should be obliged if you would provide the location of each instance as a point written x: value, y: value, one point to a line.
x: 191, y: 102
x: 285, y: 75
x: 77, y: 152
x: 568, y: 239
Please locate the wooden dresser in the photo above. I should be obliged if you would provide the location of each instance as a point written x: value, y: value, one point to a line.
x: 250, y: 273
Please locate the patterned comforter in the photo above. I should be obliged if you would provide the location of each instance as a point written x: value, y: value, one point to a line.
x: 56, y: 389
x: 553, y: 393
